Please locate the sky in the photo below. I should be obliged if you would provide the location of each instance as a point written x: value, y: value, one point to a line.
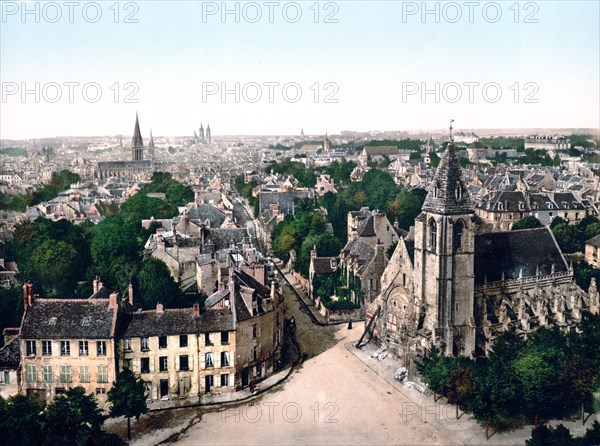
x: 84, y: 68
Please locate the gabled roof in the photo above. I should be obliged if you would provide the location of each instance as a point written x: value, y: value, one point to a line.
x: 513, y: 253
x: 594, y: 241
x: 203, y: 212
x: 69, y: 319
x: 324, y: 265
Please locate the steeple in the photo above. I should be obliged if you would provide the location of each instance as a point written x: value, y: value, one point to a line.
x: 447, y: 193
x: 201, y: 134
x: 208, y: 134
x: 151, y: 146
x: 137, y: 143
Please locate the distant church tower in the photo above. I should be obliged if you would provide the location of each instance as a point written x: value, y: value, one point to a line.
x: 151, y: 146
x: 326, y: 143
x: 201, y: 133
x: 208, y: 134
x: 137, y: 143
x: 444, y: 259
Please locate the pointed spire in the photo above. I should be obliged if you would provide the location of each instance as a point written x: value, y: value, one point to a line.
x: 151, y: 143
x: 447, y: 193
x: 137, y: 140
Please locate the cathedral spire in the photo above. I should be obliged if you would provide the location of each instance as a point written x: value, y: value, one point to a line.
x: 447, y: 193
x: 137, y: 143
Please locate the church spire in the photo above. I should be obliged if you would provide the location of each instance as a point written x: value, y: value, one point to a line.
x: 448, y: 193
x: 151, y: 143
x: 137, y: 143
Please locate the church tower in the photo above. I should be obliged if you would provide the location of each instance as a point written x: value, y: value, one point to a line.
x: 208, y: 135
x: 137, y: 143
x: 444, y: 259
x: 151, y: 146
x: 326, y: 143
x: 201, y: 134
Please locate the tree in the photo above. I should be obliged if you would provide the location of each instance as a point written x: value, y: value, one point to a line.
x: 548, y: 436
x: 528, y: 222
x: 568, y: 238
x: 128, y: 398
x: 459, y: 385
x: 73, y: 418
x: 20, y: 421
x: 54, y: 264
x: 156, y: 285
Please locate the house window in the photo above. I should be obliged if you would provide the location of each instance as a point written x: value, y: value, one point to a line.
x: 48, y: 377
x: 459, y: 228
x: 225, y: 334
x: 224, y: 359
x: 127, y: 344
x: 4, y: 378
x: 254, y: 331
x: 65, y: 374
x: 224, y: 380
x: 184, y: 362
x: 30, y: 348
x: 163, y: 364
x: 183, y: 341
x: 162, y: 342
x: 254, y: 353
x: 101, y: 348
x: 84, y: 374
x: 207, y: 340
x: 144, y: 342
x: 103, y: 373
x: 100, y: 391
x: 209, y: 360
x: 65, y: 348
x: 31, y: 373
x: 46, y: 348
x: 432, y: 233
x: 83, y: 348
x: 145, y: 365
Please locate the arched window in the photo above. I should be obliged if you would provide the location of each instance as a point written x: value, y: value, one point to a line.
x: 432, y: 233
x: 459, y: 228
x: 458, y: 191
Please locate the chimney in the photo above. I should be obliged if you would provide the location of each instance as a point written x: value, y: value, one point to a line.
x: 112, y: 300
x: 159, y: 308
x: 27, y: 295
x: 196, y: 310
x: 313, y: 252
x: 130, y: 289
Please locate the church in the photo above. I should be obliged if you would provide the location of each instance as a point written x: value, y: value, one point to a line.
x: 138, y: 166
x: 453, y: 285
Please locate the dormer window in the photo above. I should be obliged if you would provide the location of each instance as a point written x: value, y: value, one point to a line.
x: 521, y: 205
x: 500, y: 206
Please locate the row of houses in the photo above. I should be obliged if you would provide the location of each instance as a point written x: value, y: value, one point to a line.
x: 234, y: 339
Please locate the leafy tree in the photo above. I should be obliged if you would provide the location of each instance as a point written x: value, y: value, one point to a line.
x: 20, y: 421
x: 53, y: 264
x: 435, y: 159
x: 407, y: 206
x: 128, y: 398
x: 556, y: 221
x: 548, y: 436
x: 459, y: 385
x: 568, y: 238
x: 73, y: 418
x: 157, y: 286
x: 528, y: 222
x: 11, y: 308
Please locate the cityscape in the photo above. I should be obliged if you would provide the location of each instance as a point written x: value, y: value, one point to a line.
x: 300, y: 223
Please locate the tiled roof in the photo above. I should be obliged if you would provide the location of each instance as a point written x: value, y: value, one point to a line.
x: 203, y: 212
x: 594, y: 241
x: 69, y: 319
x: 223, y: 238
x: 324, y: 265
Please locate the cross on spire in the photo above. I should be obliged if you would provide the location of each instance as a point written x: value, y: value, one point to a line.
x: 451, y: 121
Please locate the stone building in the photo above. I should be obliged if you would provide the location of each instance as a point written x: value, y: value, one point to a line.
x: 457, y: 288
x: 10, y: 367
x: 68, y: 343
x: 592, y: 251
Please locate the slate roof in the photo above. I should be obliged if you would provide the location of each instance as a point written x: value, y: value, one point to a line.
x: 203, y: 212
x: 366, y: 228
x: 216, y: 297
x: 102, y: 293
x: 442, y: 193
x: 10, y: 354
x: 222, y: 238
x: 381, y: 150
x: 515, y: 251
x: 594, y: 241
x: 325, y: 265
x: 69, y: 319
x: 285, y: 200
